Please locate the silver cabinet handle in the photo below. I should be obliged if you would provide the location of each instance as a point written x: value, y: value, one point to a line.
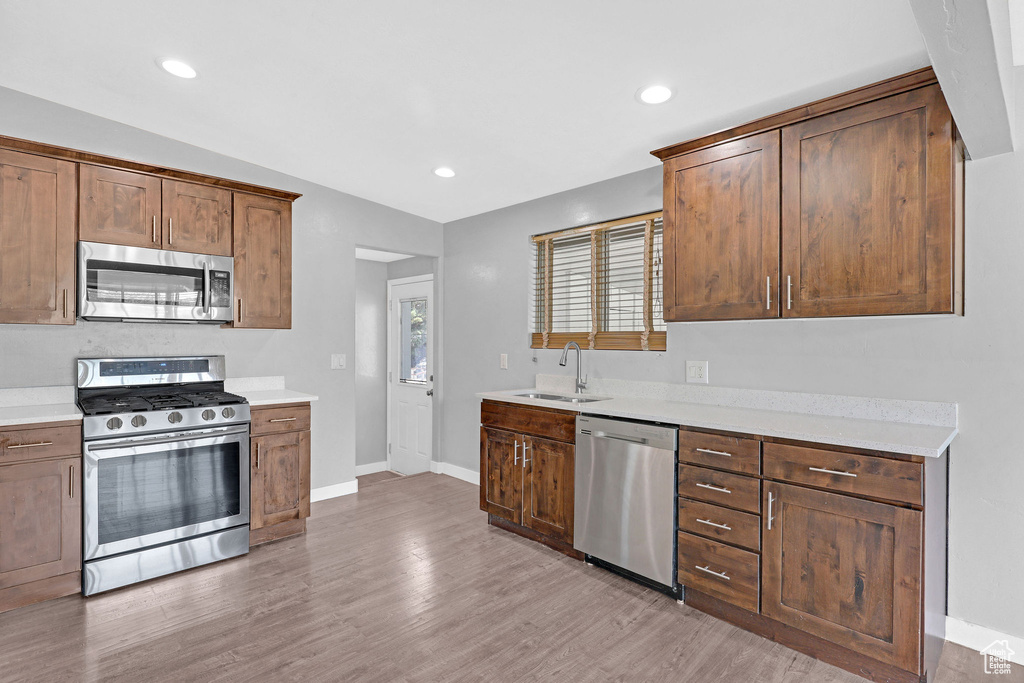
x: 239, y: 310
x: 30, y: 445
x: 257, y: 455
x: 771, y: 517
x: 789, y: 291
x: 711, y: 452
x: 708, y: 570
x: 713, y: 488
x: 154, y: 229
x: 768, y: 289
x: 828, y: 471
x: 525, y: 459
x: 71, y: 486
x: 284, y: 419
x: 206, y: 286
x: 715, y: 524
x: 170, y: 231
x: 516, y: 460
x: 65, y: 303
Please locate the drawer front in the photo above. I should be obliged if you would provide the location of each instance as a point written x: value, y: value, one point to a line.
x: 719, y: 570
x: 721, y: 488
x: 557, y: 425
x: 724, y: 452
x: 866, y: 475
x: 278, y: 419
x: 721, y: 524
x: 18, y: 445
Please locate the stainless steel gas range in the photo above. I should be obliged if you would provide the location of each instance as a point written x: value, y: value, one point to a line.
x: 166, y: 468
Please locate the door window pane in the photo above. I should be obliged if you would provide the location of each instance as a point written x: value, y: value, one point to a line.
x: 414, y: 341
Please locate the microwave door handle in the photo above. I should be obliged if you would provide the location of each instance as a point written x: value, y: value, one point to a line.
x: 206, y: 287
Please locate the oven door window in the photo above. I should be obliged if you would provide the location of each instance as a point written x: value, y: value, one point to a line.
x: 150, y: 493
x: 136, y: 283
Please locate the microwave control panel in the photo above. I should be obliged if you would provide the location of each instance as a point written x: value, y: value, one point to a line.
x: 220, y: 289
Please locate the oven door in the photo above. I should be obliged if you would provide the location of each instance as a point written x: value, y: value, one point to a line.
x: 147, y: 491
x: 131, y: 283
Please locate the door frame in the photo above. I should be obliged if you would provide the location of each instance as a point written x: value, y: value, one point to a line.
x: 428, y: 277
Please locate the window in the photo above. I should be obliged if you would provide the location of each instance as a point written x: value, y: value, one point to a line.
x: 600, y: 286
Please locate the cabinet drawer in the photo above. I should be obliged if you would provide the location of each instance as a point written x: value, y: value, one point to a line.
x: 724, y: 452
x: 277, y: 419
x: 719, y: 523
x: 558, y: 425
x: 722, y: 488
x: 17, y: 445
x: 719, y: 570
x: 866, y: 475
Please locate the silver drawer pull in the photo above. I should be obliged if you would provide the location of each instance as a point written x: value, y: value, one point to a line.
x: 715, y: 524
x: 826, y: 471
x: 285, y: 419
x: 713, y: 488
x: 708, y: 570
x: 30, y: 445
x: 711, y: 452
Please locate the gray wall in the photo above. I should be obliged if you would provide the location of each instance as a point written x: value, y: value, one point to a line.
x: 326, y: 224
x: 371, y: 362
x: 409, y: 267
x: 976, y: 360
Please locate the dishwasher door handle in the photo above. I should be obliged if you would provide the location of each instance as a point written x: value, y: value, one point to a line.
x: 639, y: 440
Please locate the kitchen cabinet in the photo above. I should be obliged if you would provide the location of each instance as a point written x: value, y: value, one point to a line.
x: 40, y: 513
x: 279, y: 477
x: 527, y: 472
x: 37, y: 239
x: 197, y: 218
x: 263, y: 262
x: 119, y: 207
x: 865, y: 217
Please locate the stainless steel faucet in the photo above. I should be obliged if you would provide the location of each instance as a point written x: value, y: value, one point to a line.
x: 581, y: 382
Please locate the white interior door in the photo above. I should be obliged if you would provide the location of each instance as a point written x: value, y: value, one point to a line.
x: 410, y: 374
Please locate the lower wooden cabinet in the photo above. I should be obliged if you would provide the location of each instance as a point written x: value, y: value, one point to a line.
x: 527, y: 480
x: 279, y: 477
x: 40, y: 519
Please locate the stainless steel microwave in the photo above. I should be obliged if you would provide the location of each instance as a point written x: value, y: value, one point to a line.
x: 133, y: 284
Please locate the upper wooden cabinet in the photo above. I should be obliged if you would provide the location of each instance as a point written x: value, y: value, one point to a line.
x: 865, y: 218
x: 722, y: 251
x: 263, y: 262
x: 37, y: 239
x: 119, y: 207
x: 197, y: 218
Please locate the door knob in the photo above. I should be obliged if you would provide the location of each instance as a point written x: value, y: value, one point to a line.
x: 430, y: 392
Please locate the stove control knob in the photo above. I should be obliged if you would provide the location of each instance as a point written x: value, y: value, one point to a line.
x: 139, y: 421
x: 114, y: 423
x: 209, y: 414
x: 174, y: 418
x: 228, y: 413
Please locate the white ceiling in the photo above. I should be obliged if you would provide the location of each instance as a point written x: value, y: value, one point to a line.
x: 522, y: 99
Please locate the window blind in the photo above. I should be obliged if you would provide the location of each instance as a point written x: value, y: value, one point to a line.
x: 600, y: 286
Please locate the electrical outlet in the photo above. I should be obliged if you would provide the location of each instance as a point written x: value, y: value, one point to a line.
x: 697, y: 371
x: 337, y: 361
x: 504, y: 361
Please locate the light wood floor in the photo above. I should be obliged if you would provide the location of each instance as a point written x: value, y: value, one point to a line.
x: 403, y: 581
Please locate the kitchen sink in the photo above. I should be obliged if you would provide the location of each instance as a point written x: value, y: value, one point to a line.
x: 557, y: 397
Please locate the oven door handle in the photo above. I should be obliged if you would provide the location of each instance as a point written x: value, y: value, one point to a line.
x: 180, y: 436
x: 206, y: 286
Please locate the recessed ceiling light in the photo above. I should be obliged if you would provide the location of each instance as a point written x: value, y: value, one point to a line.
x: 654, y: 94
x: 444, y: 172
x: 179, y: 69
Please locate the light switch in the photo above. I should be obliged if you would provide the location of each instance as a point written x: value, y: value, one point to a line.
x: 504, y: 361
x: 697, y: 371
x: 337, y: 361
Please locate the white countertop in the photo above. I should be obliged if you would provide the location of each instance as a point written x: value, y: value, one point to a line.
x: 897, y: 437
x: 52, y: 412
x: 272, y: 396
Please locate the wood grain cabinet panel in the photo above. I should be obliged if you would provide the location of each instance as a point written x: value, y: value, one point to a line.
x: 280, y: 485
x: 736, y: 491
x: 722, y: 231
x: 119, y: 207
x: 725, y: 572
x: 37, y: 239
x: 196, y: 218
x: 846, y: 570
x: 868, y: 209
x: 35, y: 442
x: 263, y: 262
x: 732, y: 453
x: 281, y: 418
x: 548, y: 487
x: 501, y: 475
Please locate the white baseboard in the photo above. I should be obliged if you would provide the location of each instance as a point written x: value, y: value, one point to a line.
x: 979, y: 637
x: 371, y: 468
x: 455, y: 471
x: 333, y: 491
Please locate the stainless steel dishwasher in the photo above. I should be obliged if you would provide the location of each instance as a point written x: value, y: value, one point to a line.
x: 625, y: 498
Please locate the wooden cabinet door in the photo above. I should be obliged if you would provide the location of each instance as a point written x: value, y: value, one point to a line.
x: 279, y: 480
x: 40, y: 520
x: 722, y: 231
x: 196, y: 218
x: 548, y: 487
x: 844, y: 569
x: 868, y: 209
x: 37, y: 239
x: 263, y: 262
x: 118, y: 207
x: 501, y: 474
